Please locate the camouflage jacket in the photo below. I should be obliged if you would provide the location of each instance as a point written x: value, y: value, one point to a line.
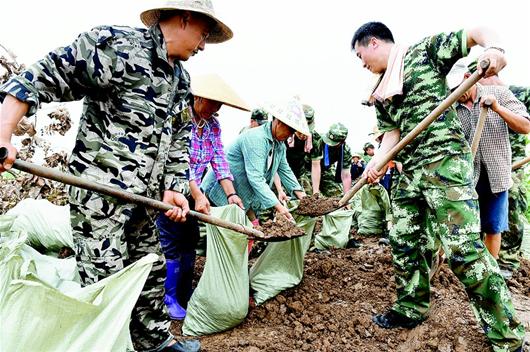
x: 298, y: 159
x: 519, y: 141
x: 131, y: 132
x: 424, y: 87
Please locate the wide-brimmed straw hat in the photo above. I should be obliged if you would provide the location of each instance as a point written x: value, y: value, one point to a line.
x: 213, y: 87
x: 456, y: 76
x: 289, y: 112
x: 218, y: 34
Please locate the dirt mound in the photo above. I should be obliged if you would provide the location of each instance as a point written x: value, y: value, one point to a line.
x: 280, y: 227
x: 331, y: 310
x: 317, y: 205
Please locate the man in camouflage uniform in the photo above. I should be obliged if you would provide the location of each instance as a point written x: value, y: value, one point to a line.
x: 434, y: 196
x: 131, y: 136
x: 258, y: 117
x: 512, y: 239
x: 369, y: 151
x: 331, y: 150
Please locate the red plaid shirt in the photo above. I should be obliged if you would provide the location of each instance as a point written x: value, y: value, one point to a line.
x: 208, y: 149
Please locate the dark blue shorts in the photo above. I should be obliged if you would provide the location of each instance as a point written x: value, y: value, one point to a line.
x: 493, y: 207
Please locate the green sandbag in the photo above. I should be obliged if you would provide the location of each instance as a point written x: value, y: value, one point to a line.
x: 220, y: 300
x: 335, y: 230
x: 375, y: 210
x: 47, y: 225
x: 281, y: 265
x: 37, y: 316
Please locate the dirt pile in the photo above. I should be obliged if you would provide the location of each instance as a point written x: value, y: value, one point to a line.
x: 331, y: 310
x: 280, y: 227
x: 317, y: 205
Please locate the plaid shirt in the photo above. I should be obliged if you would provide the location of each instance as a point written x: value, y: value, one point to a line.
x: 208, y: 149
x: 494, y: 151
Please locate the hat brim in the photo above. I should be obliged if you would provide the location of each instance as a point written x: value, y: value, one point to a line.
x: 329, y: 142
x: 213, y: 87
x: 297, y: 123
x: 218, y: 34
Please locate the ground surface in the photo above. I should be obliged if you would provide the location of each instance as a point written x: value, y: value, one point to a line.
x: 331, y: 310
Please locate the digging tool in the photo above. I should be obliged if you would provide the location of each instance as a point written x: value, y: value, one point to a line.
x: 520, y: 163
x: 76, y: 181
x: 444, y: 105
x: 480, y: 126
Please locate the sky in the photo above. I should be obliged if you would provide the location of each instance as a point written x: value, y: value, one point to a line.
x: 283, y: 48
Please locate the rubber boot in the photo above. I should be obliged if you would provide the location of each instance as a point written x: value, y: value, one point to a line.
x: 187, y: 268
x: 173, y: 280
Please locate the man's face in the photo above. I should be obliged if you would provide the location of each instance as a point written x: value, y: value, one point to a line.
x: 355, y: 159
x: 300, y: 136
x: 370, y: 56
x: 254, y: 123
x: 185, y: 35
x: 281, y: 131
x: 370, y: 151
x: 205, y: 108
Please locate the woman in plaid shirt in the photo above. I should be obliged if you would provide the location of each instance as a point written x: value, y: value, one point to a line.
x: 178, y: 239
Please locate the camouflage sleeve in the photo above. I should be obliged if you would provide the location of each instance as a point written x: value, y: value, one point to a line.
x: 316, y: 151
x: 384, y: 121
x: 523, y: 94
x: 346, y: 157
x: 68, y: 73
x: 177, y: 170
x: 445, y: 49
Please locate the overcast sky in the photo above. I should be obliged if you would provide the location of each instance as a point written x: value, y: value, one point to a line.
x: 284, y: 47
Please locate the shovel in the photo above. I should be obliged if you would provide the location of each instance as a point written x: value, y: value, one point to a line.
x: 422, y: 126
x: 480, y: 126
x: 520, y: 163
x: 76, y: 181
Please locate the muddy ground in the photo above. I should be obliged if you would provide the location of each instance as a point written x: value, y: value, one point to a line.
x: 317, y: 205
x: 331, y: 310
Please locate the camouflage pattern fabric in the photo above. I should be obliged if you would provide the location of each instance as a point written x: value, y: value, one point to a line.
x: 437, y: 203
x: 132, y: 136
x: 512, y: 239
x: 424, y: 87
x: 518, y: 141
x: 298, y: 159
x: 434, y: 198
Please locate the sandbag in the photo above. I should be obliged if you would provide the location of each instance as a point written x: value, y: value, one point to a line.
x: 281, y: 265
x: 46, y: 225
x: 375, y: 211
x: 220, y: 300
x: 335, y: 230
x: 43, y: 307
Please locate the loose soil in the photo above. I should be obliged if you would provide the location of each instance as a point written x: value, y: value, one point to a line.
x: 317, y: 205
x: 280, y: 227
x: 332, y: 308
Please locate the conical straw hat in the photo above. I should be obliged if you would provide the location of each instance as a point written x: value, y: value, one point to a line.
x: 289, y: 112
x: 213, y: 87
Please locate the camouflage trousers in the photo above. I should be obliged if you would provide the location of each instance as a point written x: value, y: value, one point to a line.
x: 513, y: 238
x: 434, y: 203
x: 328, y: 186
x: 109, y: 236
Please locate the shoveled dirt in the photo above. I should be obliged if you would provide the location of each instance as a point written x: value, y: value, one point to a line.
x: 317, y: 205
x: 280, y: 227
x: 331, y: 310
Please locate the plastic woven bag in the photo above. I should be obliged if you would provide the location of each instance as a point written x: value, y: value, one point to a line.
x: 46, y: 225
x: 281, y: 265
x: 220, y: 300
x: 335, y: 230
x: 376, y: 210
x: 43, y: 307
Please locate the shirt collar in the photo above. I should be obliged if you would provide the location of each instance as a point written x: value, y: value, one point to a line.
x: 160, y: 43
x: 268, y: 130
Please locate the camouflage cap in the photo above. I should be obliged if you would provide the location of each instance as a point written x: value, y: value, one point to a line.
x: 337, y: 134
x: 218, y: 34
x: 309, y: 113
x: 368, y: 145
x: 260, y: 116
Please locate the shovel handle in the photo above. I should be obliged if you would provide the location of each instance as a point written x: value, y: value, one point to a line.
x: 76, y: 181
x: 480, y: 126
x: 520, y: 163
x: 422, y: 126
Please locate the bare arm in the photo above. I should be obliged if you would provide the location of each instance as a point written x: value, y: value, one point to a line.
x: 515, y: 122
x: 345, y: 175
x: 487, y: 38
x: 13, y: 110
x: 315, y: 175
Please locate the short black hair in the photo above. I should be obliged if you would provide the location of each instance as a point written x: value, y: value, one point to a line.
x: 369, y: 30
